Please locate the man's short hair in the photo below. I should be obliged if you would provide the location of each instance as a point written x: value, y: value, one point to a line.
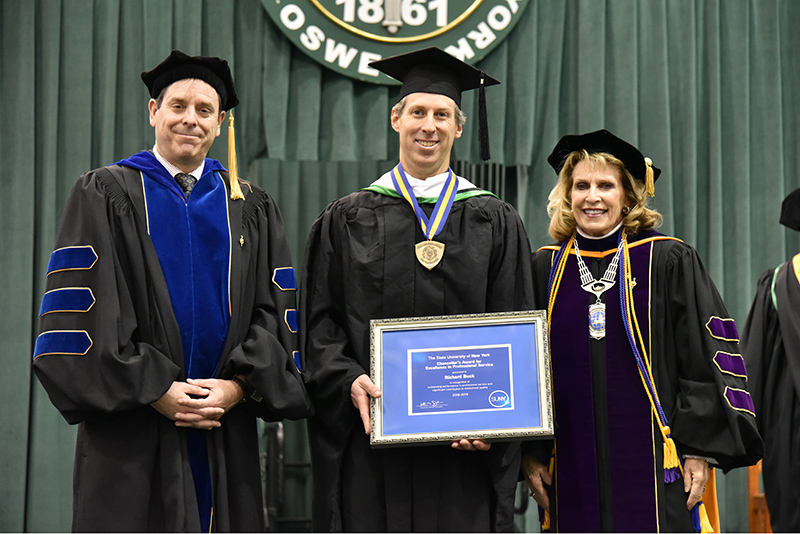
x: 160, y: 99
x: 461, y: 117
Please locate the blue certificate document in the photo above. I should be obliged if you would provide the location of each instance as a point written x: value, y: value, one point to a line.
x: 460, y: 379
x: 467, y: 376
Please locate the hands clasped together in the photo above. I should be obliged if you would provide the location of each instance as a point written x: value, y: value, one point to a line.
x: 199, y: 403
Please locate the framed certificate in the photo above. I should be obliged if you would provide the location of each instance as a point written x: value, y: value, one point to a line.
x: 474, y: 376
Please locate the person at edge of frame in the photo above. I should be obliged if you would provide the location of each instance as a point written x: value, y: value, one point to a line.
x: 168, y: 325
x: 650, y: 390
x: 769, y: 341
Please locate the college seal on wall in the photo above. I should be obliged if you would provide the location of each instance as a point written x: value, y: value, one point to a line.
x: 347, y: 35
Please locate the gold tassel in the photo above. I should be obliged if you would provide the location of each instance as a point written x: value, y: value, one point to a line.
x: 233, y: 171
x: 705, y: 524
x: 670, y: 451
x: 650, y: 182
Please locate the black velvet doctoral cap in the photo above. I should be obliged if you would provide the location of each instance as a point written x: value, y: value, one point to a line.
x: 178, y: 66
x: 432, y: 70
x: 790, y: 210
x: 603, y: 141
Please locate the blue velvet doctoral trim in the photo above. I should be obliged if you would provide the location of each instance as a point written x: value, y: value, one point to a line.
x: 68, y: 299
x: 80, y: 258
x: 284, y: 278
x: 192, y: 241
x: 193, y: 244
x: 297, y: 362
x: 62, y: 342
x: 146, y: 162
x: 290, y: 318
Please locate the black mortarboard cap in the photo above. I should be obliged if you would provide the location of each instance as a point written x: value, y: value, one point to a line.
x: 640, y: 167
x: 432, y: 70
x: 790, y: 210
x: 178, y: 66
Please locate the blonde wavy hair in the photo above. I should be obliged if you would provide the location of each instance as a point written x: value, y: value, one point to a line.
x: 559, y: 207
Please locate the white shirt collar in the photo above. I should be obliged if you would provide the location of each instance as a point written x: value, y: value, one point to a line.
x: 172, y: 169
x: 428, y: 188
x: 612, y: 232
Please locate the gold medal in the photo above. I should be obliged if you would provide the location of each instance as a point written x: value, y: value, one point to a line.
x: 429, y: 253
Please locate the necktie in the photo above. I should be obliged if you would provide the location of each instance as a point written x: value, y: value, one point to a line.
x: 186, y: 181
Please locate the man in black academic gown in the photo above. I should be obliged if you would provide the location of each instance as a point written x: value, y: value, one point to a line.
x: 169, y: 321
x: 368, y: 257
x: 771, y: 348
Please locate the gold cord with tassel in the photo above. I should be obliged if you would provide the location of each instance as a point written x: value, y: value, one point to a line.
x: 233, y: 171
x: 671, y: 460
x: 705, y: 523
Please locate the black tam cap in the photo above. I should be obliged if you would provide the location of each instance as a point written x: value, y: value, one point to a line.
x: 640, y: 167
x: 790, y: 210
x: 178, y: 66
x: 432, y: 70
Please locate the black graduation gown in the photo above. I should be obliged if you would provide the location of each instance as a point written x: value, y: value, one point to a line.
x: 360, y: 265
x: 131, y: 467
x: 609, y: 453
x: 771, y: 335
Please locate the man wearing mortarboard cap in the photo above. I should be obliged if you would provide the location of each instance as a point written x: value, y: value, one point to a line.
x: 168, y: 325
x: 649, y: 386
x: 420, y: 241
x: 771, y: 348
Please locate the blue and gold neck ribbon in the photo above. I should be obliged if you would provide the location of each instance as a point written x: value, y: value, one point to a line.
x: 430, y: 227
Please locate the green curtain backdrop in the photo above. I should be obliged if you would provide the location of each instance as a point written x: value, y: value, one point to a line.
x: 709, y: 89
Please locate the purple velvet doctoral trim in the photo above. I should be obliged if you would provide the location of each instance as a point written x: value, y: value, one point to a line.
x: 629, y: 415
x: 723, y: 328
x: 731, y: 363
x: 576, y: 462
x: 740, y: 399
